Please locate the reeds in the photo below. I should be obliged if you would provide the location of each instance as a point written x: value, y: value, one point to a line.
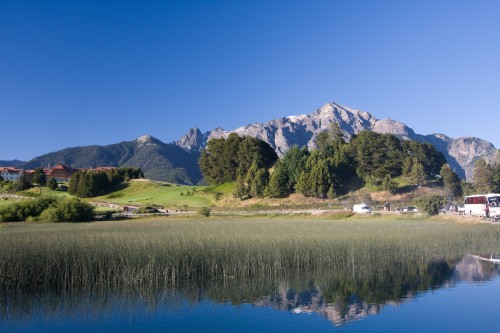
x: 156, y: 253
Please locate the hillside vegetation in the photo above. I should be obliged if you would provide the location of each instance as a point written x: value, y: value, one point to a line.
x: 147, y: 192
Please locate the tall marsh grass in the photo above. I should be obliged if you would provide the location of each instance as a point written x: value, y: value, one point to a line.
x: 156, y: 253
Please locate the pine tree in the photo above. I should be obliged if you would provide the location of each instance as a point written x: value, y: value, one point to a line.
x: 451, y: 180
x: 407, y: 166
x: 39, y: 177
x: 52, y: 184
x: 483, y: 177
x: 279, y: 184
x: 417, y: 174
x: 389, y: 185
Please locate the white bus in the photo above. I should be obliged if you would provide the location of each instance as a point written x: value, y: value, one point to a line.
x: 485, y: 205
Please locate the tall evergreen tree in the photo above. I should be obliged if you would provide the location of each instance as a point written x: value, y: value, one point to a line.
x: 294, y: 162
x: 389, y: 185
x: 52, y: 184
x: 279, y: 184
x: 483, y: 177
x: 452, y: 182
x: 39, y: 177
x: 417, y: 174
x: 222, y: 158
x: 497, y: 172
x: 407, y: 166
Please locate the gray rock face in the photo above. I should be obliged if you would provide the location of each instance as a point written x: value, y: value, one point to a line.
x: 284, y: 133
x: 194, y: 140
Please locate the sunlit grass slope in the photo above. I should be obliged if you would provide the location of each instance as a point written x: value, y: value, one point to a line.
x: 146, y: 192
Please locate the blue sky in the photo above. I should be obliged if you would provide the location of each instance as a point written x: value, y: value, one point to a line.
x: 76, y: 73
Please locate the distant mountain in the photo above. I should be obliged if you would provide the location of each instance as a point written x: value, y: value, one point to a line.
x: 158, y: 160
x: 283, y: 133
x: 13, y: 163
x: 178, y: 161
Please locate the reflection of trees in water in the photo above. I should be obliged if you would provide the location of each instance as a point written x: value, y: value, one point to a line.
x: 337, y: 296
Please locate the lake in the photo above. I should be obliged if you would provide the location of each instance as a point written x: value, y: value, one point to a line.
x: 413, y: 290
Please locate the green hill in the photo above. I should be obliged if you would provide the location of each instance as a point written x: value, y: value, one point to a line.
x: 147, y: 192
x: 158, y: 160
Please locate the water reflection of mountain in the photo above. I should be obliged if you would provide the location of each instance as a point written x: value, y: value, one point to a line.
x: 340, y: 298
x: 353, y: 305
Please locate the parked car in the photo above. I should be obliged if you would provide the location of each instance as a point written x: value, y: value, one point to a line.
x: 410, y: 209
x: 361, y: 208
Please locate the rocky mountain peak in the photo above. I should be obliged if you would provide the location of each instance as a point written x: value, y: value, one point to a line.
x: 390, y: 126
x: 147, y: 140
x: 283, y: 133
x: 193, y: 140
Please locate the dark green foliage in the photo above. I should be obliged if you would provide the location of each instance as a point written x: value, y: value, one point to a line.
x: 253, y: 183
x: 258, y: 180
x: 294, y: 162
x: 20, y: 211
x: 146, y: 210
x: 119, y: 175
x: 451, y: 181
x: 376, y: 155
x: 417, y: 174
x: 279, y: 184
x: 24, y: 182
x: 328, y: 141
x: 88, y: 184
x: 47, y: 209
x: 241, y: 189
x: 39, y: 177
x: 407, y: 166
x: 205, y: 211
x: 223, y: 158
x: 389, y: 185
x: 483, y: 177
x: 52, y: 184
x: 1, y: 179
x: 317, y: 178
x: 68, y: 210
x: 467, y: 188
x: 430, y: 203
x: 425, y: 153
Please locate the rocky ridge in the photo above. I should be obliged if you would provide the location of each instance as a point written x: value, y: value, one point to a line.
x: 283, y: 133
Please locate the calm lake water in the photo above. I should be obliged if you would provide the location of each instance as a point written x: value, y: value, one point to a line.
x: 460, y: 295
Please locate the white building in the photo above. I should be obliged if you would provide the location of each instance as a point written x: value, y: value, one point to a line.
x: 9, y: 173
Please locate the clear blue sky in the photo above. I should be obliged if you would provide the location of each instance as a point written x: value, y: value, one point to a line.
x: 75, y: 73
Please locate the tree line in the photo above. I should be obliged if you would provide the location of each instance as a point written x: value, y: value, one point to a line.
x: 88, y: 183
x: 335, y: 167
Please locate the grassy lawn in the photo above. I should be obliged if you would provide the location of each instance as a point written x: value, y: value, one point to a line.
x: 171, y: 196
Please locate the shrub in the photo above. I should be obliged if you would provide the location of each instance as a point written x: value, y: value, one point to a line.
x: 430, y: 203
x: 114, y: 195
x: 341, y: 215
x: 47, y: 209
x: 205, y: 211
x: 146, y: 210
x: 22, y: 210
x: 52, y: 184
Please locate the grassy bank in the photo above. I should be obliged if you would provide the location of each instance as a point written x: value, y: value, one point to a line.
x: 158, y: 251
x: 144, y: 192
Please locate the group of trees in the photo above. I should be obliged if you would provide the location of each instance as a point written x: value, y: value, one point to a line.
x: 47, y: 209
x: 486, y: 177
x: 244, y: 160
x: 87, y: 184
x: 225, y: 159
x: 334, y: 168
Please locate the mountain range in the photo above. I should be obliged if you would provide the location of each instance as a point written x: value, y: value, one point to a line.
x: 177, y: 161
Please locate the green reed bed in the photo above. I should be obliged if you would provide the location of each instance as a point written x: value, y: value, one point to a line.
x: 153, y: 253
